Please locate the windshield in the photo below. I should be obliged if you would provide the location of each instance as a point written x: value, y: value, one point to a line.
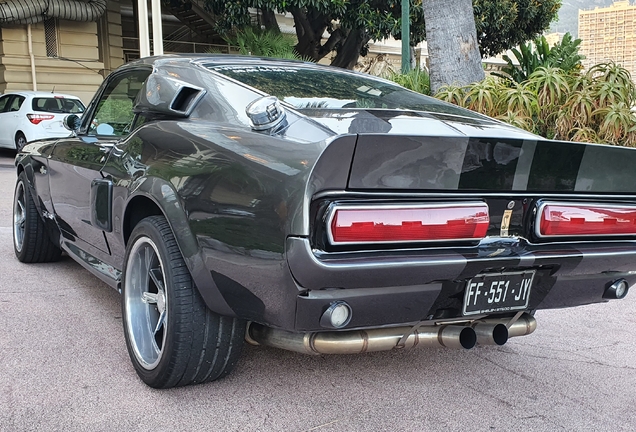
x: 304, y: 88
x: 58, y: 105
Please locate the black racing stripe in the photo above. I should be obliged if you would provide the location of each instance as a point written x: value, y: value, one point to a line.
x: 555, y: 166
x: 490, y: 164
x: 545, y: 277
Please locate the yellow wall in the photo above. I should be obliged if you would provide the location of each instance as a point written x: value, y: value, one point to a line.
x: 79, y: 68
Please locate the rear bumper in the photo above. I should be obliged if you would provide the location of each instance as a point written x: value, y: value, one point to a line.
x: 404, y: 287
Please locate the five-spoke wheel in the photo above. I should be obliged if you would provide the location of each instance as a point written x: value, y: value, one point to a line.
x: 146, y: 303
x: 172, y: 337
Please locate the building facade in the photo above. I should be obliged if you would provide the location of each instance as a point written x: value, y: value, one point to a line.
x: 609, y: 34
x: 66, y: 56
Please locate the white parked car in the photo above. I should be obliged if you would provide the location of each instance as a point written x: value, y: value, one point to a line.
x: 27, y: 116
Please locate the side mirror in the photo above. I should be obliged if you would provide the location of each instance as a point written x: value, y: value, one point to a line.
x: 266, y: 113
x: 72, y: 122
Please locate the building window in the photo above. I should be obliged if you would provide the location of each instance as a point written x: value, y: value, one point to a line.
x: 50, y: 37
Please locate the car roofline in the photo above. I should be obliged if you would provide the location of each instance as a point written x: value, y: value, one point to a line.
x: 39, y: 94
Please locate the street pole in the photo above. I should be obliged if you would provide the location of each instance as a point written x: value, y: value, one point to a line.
x: 157, y: 31
x: 144, y: 38
x: 406, y: 33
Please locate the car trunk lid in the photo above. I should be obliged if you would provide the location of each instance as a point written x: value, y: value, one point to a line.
x: 424, y: 163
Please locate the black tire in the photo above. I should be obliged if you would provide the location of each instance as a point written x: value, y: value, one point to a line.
x: 197, y: 345
x: 20, y: 141
x: 31, y: 241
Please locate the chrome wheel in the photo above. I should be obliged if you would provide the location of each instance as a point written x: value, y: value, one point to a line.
x: 146, y: 303
x: 173, y: 339
x: 19, y: 216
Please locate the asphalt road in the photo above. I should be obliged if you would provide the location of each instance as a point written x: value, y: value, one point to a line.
x: 64, y: 366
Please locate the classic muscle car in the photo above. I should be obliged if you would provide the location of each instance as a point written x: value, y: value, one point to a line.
x: 317, y: 210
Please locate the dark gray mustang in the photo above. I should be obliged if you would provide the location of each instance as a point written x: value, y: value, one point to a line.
x: 317, y: 210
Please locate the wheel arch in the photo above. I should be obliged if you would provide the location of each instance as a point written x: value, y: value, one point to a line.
x: 155, y: 196
x: 19, y: 132
x: 19, y: 168
x: 26, y: 166
x: 138, y: 208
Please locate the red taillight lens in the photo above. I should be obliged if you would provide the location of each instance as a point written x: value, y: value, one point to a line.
x: 417, y: 223
x: 37, y: 118
x: 567, y: 220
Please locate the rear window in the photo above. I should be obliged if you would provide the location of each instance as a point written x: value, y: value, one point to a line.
x: 313, y: 88
x: 58, y: 105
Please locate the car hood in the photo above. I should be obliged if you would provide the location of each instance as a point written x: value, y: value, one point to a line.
x: 397, y: 122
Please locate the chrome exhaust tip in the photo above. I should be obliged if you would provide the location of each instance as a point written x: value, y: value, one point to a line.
x: 490, y: 333
x: 452, y: 336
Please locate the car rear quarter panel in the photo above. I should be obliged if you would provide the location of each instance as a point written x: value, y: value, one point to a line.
x: 231, y: 196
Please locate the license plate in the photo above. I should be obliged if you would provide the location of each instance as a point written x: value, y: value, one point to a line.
x: 498, y: 292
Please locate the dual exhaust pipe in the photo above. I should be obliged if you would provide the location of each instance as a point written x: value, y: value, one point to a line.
x: 483, y: 332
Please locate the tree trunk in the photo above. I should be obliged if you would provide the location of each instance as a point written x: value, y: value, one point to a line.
x: 309, y: 26
x: 349, y: 52
x: 451, y: 37
x: 268, y: 20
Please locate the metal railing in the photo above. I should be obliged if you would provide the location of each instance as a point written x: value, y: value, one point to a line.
x: 131, y: 47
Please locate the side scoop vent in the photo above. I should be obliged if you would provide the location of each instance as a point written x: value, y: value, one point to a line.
x: 185, y: 100
x: 167, y: 96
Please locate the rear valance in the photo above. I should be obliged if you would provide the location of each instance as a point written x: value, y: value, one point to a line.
x: 490, y: 164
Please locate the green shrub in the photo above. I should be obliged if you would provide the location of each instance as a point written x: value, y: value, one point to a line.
x: 538, y: 54
x: 263, y: 43
x: 416, y: 79
x: 593, y: 106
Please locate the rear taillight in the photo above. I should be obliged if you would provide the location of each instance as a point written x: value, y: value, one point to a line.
x: 37, y: 118
x: 571, y: 220
x: 407, y: 223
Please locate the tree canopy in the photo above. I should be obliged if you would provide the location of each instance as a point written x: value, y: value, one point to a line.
x: 351, y: 24
x: 503, y: 24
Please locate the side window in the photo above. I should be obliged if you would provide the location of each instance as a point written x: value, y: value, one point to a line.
x: 16, y: 103
x: 4, y: 103
x: 113, y: 115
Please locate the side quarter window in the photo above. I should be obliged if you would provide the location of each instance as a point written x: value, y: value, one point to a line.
x: 16, y: 103
x: 4, y: 103
x: 113, y: 115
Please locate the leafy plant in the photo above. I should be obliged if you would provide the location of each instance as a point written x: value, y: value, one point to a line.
x: 416, y: 79
x: 538, y: 54
x: 617, y: 120
x: 593, y: 106
x: 484, y: 97
x: 550, y: 84
x: 452, y: 94
x: 520, y: 100
x: 264, y: 43
x: 565, y: 54
x: 528, y: 59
